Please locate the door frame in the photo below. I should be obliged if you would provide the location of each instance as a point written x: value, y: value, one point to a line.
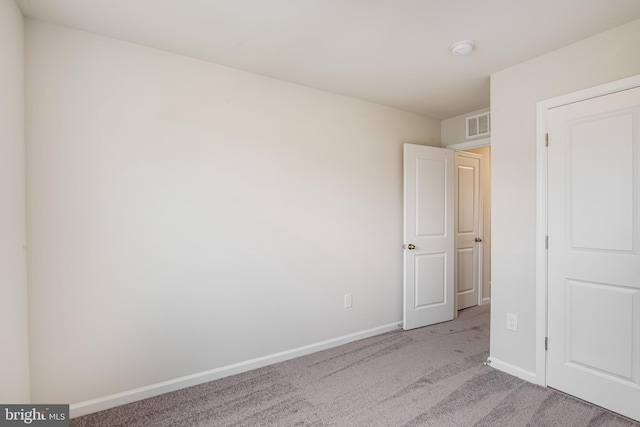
x: 541, y: 281
x: 467, y: 145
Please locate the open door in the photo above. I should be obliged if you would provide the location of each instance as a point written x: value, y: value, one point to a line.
x: 428, y: 235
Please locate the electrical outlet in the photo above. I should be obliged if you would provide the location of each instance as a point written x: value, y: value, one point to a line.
x: 512, y: 322
x: 348, y: 301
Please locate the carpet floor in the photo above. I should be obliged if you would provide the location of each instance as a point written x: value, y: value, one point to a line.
x: 431, y: 376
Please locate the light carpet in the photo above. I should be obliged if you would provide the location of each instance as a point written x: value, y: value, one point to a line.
x: 431, y: 376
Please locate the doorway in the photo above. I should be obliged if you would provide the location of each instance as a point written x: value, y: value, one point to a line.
x: 473, y: 227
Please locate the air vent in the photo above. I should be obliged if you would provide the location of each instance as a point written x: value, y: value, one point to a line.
x: 479, y: 125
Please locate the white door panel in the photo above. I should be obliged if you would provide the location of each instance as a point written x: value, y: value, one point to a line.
x: 430, y: 285
x: 428, y: 235
x: 593, y: 256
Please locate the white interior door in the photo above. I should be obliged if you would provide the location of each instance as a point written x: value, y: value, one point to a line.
x: 467, y: 229
x: 428, y: 235
x: 593, y: 251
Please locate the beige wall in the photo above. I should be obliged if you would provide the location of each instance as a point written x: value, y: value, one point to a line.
x: 185, y: 216
x: 515, y: 91
x: 14, y: 356
x: 454, y: 129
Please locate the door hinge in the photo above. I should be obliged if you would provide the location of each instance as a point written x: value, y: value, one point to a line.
x: 546, y: 140
x: 546, y: 242
x: 546, y: 343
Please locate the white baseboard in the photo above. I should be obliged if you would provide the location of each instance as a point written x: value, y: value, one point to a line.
x: 513, y: 370
x: 113, y: 400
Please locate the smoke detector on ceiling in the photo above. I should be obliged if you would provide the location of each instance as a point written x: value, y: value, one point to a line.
x: 463, y: 47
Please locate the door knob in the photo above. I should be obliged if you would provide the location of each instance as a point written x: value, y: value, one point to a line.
x: 478, y: 239
x: 410, y: 246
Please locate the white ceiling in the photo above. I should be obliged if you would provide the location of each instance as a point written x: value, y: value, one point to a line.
x: 393, y: 52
